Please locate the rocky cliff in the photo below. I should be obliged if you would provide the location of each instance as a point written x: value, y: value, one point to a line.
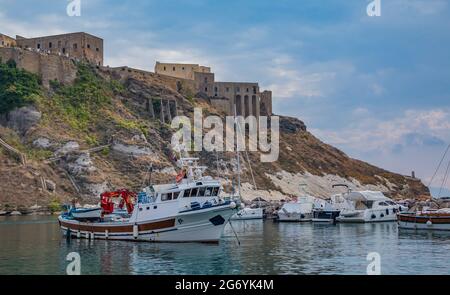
x: 99, y: 133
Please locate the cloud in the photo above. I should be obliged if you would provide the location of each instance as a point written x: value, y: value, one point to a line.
x: 413, y: 140
x: 416, y: 128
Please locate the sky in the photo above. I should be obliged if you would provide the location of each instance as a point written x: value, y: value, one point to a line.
x: 376, y: 87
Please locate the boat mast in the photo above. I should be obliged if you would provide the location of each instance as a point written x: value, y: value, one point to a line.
x: 235, y: 127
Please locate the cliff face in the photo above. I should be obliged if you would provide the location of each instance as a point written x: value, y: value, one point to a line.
x: 98, y: 134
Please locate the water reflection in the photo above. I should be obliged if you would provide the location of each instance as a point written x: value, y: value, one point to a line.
x: 33, y: 245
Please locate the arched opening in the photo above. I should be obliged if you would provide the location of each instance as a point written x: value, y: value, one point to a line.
x: 238, y: 105
x: 247, y: 106
x: 254, y: 102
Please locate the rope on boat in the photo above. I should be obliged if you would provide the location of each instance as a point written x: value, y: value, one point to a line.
x: 439, y: 165
x: 235, y: 234
x: 444, y: 181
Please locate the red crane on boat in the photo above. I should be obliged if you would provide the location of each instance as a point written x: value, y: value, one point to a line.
x: 127, y: 199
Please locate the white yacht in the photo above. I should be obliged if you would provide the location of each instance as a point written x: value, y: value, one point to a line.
x: 368, y: 206
x: 298, y: 211
x: 189, y: 210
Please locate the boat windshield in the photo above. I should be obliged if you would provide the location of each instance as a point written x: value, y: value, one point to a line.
x: 363, y: 205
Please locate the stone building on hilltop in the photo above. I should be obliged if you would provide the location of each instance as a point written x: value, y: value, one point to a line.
x: 6, y: 41
x: 81, y: 46
x: 246, y: 96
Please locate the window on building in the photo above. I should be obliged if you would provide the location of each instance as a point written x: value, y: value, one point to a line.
x: 206, y: 80
x: 247, y: 90
x: 238, y: 89
x: 64, y: 50
x: 227, y: 89
x: 89, y: 46
x: 254, y: 89
x: 164, y: 68
x: 3, y: 42
x: 39, y: 46
x: 215, y: 89
x: 75, y: 46
x: 206, y: 89
x: 59, y: 44
x: 97, y: 49
x: 50, y: 45
x: 182, y: 68
x: 173, y: 69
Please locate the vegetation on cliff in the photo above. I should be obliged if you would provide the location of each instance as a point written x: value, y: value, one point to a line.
x: 17, y: 87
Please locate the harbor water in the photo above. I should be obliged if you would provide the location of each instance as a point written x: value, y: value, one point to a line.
x: 34, y: 245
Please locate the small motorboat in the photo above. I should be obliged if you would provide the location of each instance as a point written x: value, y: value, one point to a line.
x: 425, y: 220
x: 297, y: 211
x: 325, y: 211
x: 86, y: 213
x: 248, y: 213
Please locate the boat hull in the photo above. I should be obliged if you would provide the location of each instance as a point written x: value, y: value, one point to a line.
x: 294, y: 217
x: 249, y: 214
x: 370, y: 215
x: 205, y: 225
x: 414, y: 222
x: 325, y: 216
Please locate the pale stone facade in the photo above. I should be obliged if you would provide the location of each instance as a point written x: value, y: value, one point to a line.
x: 81, y: 46
x: 184, y: 71
x: 6, y: 41
x: 242, y: 98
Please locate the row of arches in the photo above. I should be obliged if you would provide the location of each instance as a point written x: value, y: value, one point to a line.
x: 246, y: 106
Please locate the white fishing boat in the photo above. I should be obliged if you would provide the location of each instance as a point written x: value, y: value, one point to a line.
x: 248, y: 213
x: 425, y: 220
x: 368, y: 206
x: 188, y: 210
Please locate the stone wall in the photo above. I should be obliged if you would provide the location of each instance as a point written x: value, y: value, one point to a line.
x: 184, y: 86
x: 184, y: 71
x: 266, y: 103
x: 81, y: 46
x: 6, y: 41
x: 47, y: 66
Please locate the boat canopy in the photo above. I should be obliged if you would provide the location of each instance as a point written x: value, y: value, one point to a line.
x: 366, y: 196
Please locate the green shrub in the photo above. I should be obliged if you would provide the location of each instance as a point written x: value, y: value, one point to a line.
x: 18, y: 88
x: 79, y: 104
x: 54, y: 206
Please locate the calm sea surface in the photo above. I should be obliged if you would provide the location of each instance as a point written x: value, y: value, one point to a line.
x: 34, y: 245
